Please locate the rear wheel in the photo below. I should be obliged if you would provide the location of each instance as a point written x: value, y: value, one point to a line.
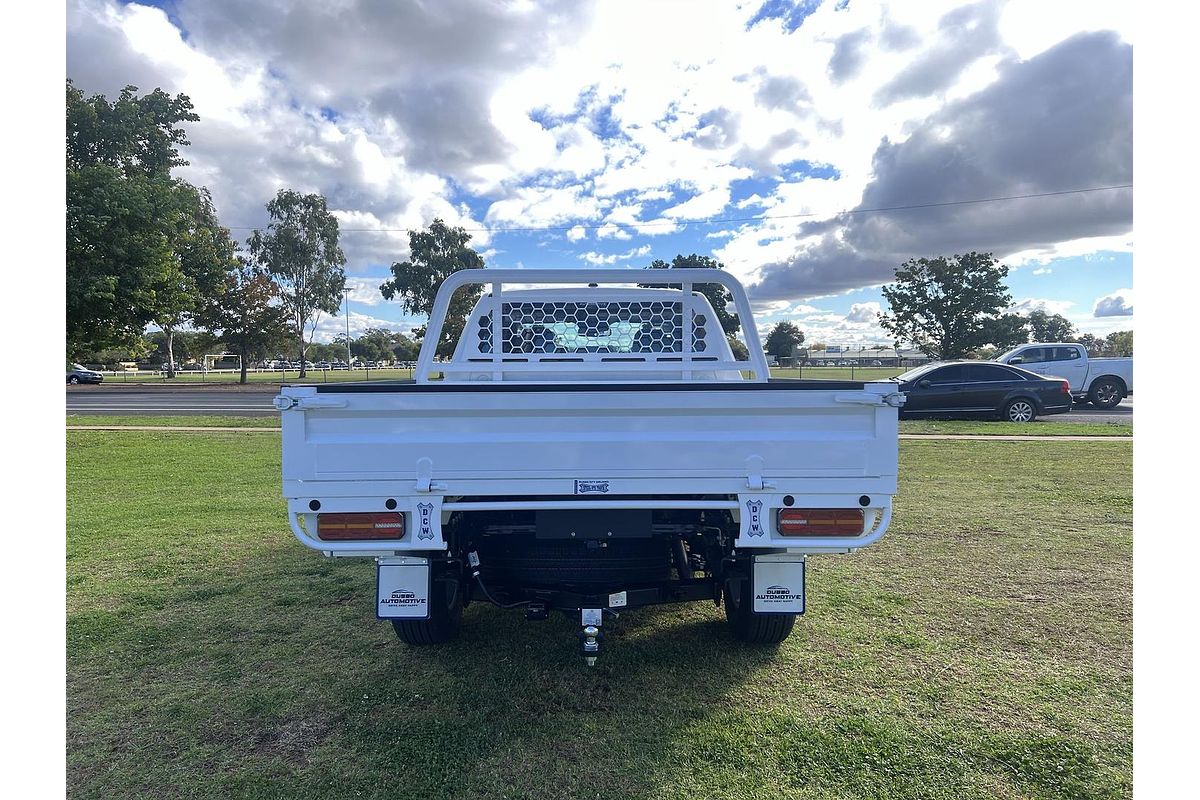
x: 1106, y: 393
x: 445, y: 614
x: 1020, y: 410
x: 747, y: 626
x: 73, y: 380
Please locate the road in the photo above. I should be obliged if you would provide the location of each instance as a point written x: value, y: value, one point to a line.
x: 256, y: 402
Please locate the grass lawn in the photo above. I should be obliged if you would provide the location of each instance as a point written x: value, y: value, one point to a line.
x: 1041, y: 427
x: 981, y: 650
x: 839, y: 373
x: 170, y: 422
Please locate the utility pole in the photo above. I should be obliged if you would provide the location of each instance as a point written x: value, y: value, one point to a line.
x: 346, y: 291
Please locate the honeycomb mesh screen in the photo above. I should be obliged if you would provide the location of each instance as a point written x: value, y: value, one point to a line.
x: 598, y: 327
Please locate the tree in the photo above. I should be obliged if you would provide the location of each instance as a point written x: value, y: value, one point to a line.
x: 1094, y: 344
x: 1119, y: 344
x: 1004, y: 331
x: 243, y: 314
x: 204, y: 254
x: 718, y: 296
x: 739, y: 350
x: 435, y: 254
x: 121, y: 216
x: 948, y: 307
x: 300, y: 252
x: 1045, y: 327
x: 784, y: 338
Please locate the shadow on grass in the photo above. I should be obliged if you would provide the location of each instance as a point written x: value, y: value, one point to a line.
x: 274, y: 679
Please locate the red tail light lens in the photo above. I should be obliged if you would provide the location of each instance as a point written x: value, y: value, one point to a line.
x: 1066, y: 387
x: 342, y: 527
x: 820, y: 521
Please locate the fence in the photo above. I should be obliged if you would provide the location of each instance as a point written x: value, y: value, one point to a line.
x: 258, y: 374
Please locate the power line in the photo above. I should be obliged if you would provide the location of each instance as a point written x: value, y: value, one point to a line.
x: 760, y: 218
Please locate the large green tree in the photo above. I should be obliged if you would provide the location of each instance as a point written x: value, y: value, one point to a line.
x: 1093, y: 343
x: 300, y: 251
x: 1045, y: 327
x: 948, y: 307
x: 1119, y: 344
x: 783, y: 339
x: 718, y: 296
x: 204, y: 254
x: 244, y: 314
x: 434, y: 255
x: 126, y: 217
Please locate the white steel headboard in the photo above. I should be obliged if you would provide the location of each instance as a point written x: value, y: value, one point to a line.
x: 684, y: 362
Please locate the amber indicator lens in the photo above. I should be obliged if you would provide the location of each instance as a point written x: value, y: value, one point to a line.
x: 820, y: 521
x: 352, y: 527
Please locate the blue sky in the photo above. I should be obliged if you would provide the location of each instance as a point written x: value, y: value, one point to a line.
x: 740, y: 135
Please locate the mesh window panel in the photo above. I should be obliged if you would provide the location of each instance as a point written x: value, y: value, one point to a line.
x: 603, y: 327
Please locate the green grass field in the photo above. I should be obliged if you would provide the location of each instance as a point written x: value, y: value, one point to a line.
x: 981, y: 650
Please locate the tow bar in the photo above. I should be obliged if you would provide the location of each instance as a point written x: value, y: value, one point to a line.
x: 591, y: 636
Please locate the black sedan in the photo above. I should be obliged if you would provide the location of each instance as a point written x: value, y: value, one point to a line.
x: 981, y: 389
x: 81, y: 374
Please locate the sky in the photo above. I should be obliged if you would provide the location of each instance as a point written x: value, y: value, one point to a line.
x: 767, y: 135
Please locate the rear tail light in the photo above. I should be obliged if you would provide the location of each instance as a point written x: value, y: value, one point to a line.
x: 1066, y: 387
x: 820, y: 521
x: 341, y: 527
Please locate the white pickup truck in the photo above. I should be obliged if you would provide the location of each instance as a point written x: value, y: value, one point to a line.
x: 1104, y: 382
x: 589, y: 450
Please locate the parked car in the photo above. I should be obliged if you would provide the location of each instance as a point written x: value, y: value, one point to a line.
x: 573, y: 468
x: 80, y: 374
x: 877, y: 363
x: 981, y: 389
x: 1103, y: 382
x: 322, y: 365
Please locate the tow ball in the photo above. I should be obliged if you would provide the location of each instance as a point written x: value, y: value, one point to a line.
x: 589, y: 643
x: 591, y: 636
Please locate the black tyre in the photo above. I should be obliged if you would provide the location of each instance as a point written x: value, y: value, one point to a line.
x: 1106, y: 393
x: 73, y: 380
x: 747, y: 626
x: 445, y: 614
x: 1020, y: 410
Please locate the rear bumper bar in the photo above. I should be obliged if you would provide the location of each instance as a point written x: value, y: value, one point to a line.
x: 754, y: 511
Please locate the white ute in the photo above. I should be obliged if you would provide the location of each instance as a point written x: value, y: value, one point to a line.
x: 1104, y: 382
x: 589, y: 450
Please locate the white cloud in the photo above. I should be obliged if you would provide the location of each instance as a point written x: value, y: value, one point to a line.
x: 1042, y: 271
x: 562, y: 113
x: 863, y: 312
x: 1115, y: 304
x: 1027, y: 305
x: 600, y: 259
x: 610, y: 231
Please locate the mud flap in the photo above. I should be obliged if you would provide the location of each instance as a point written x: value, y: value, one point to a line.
x: 402, y: 588
x: 778, y: 584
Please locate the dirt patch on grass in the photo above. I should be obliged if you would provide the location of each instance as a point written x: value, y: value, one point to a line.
x: 295, y: 739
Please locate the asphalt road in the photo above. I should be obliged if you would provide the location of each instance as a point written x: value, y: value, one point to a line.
x: 256, y: 402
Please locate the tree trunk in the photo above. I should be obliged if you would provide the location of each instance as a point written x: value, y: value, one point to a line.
x: 242, y: 352
x: 170, y: 332
x: 303, y: 352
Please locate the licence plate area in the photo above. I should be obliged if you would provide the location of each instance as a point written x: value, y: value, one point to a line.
x: 778, y: 584
x: 402, y: 588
